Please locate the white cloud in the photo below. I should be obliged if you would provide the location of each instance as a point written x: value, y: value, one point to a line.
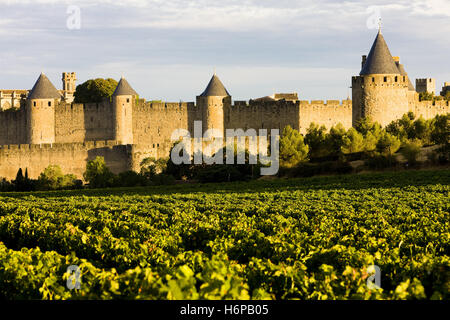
x: 187, y: 38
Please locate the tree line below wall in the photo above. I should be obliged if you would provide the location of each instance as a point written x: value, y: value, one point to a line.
x: 319, y: 151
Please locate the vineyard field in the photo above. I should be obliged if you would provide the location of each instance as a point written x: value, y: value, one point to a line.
x: 311, y: 238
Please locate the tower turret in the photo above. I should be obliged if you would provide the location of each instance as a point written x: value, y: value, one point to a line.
x: 213, y: 103
x: 41, y: 103
x: 123, y: 99
x: 380, y: 92
x: 69, y: 85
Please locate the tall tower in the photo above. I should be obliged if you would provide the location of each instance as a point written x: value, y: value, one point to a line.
x: 426, y: 85
x: 123, y: 99
x: 41, y: 111
x: 69, y: 81
x: 381, y: 90
x: 213, y: 103
x: 69, y: 85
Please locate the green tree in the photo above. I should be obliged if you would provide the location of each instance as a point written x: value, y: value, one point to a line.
x: 366, y: 125
x: 370, y: 142
x: 421, y: 130
x: 20, y: 181
x: 335, y: 139
x: 316, y: 139
x: 98, y: 174
x: 95, y: 90
x: 352, y: 142
x: 151, y: 167
x: 440, y: 129
x: 53, y: 178
x: 426, y: 96
x: 402, y: 128
x: 371, y: 131
x: 388, y: 144
x: 23, y: 183
x: 411, y: 150
x: 293, y: 149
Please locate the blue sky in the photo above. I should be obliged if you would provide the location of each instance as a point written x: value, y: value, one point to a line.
x: 168, y: 49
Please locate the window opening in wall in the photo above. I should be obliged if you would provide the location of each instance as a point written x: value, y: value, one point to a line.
x: 385, y: 79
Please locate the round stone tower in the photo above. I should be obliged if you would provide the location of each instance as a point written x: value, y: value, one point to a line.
x: 380, y: 92
x: 213, y: 103
x: 40, y: 110
x: 123, y: 100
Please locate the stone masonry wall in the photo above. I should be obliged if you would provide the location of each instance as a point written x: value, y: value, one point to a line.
x: 71, y: 157
x: 327, y: 114
x: 262, y: 115
x: 430, y: 109
x: 13, y: 126
x: 154, y: 123
x: 83, y: 122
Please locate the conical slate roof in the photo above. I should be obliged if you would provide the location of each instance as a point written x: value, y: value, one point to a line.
x: 44, y: 89
x: 124, y: 89
x: 403, y: 72
x: 379, y: 60
x: 215, y: 88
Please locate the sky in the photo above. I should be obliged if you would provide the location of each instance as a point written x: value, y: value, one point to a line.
x: 169, y: 49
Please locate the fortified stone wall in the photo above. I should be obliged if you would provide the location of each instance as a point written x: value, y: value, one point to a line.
x: 83, y: 122
x: 71, y: 157
x: 13, y: 126
x: 154, y: 123
x: 262, y: 115
x: 430, y: 109
x: 327, y: 114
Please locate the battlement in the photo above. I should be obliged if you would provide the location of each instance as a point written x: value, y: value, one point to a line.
x: 380, y: 81
x: 80, y: 107
x: 426, y: 85
x: 143, y: 105
x: 88, y: 145
x: 328, y: 103
x: 263, y: 104
x: 436, y: 103
x: 424, y: 81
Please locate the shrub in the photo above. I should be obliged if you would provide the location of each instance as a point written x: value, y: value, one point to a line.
x: 410, y: 151
x: 162, y: 179
x: 52, y: 178
x: 315, y: 138
x: 292, y: 148
x: 388, y: 144
x: 313, y: 169
x: 381, y: 161
x: 151, y: 167
x: 98, y: 174
x: 352, y: 142
x: 129, y: 179
x: 22, y: 182
x: 440, y: 132
x: 334, y: 139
